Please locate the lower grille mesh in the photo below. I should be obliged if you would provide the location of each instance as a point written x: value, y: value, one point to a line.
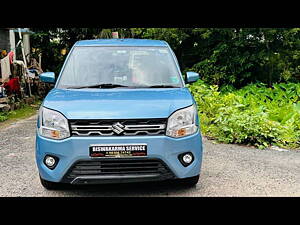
x: 119, y: 167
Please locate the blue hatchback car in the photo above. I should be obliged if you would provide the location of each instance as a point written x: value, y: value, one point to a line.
x: 119, y: 112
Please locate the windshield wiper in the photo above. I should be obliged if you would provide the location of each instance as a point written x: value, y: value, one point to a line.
x: 109, y: 85
x: 99, y: 86
x: 163, y: 86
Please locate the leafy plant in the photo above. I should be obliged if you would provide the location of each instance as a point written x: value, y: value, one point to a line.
x: 254, y: 115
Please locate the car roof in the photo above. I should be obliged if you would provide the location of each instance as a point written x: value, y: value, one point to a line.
x: 121, y: 42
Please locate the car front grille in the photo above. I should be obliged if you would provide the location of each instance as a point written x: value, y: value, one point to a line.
x: 103, y: 168
x: 118, y: 127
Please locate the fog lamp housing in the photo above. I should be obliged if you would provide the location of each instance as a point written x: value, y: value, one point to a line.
x: 50, y: 161
x: 186, y: 158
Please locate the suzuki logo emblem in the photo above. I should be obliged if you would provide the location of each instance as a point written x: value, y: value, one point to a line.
x: 117, y: 128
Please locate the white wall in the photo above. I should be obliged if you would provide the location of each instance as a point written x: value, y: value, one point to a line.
x: 12, y: 42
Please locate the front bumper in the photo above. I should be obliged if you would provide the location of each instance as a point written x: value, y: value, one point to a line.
x: 76, y: 149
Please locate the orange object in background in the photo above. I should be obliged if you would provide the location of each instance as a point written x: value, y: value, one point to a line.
x: 3, y: 53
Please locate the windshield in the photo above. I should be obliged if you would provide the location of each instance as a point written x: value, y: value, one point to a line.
x: 123, y: 66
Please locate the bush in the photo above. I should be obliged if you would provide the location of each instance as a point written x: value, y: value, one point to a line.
x: 254, y: 115
x: 3, y: 117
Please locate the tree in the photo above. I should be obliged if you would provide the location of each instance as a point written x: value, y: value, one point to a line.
x: 235, y: 56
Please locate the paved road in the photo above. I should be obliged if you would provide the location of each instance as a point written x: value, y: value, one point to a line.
x: 227, y: 170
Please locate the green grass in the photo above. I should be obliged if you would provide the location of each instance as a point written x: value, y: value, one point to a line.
x: 23, y: 112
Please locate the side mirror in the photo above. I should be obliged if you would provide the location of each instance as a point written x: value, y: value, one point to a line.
x: 47, y: 77
x: 191, y: 77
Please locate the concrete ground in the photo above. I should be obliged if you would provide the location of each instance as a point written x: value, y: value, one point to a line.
x: 227, y: 170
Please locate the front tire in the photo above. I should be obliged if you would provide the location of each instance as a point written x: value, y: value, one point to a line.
x: 50, y: 185
x: 189, y: 182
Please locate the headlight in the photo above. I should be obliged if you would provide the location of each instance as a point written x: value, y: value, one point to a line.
x: 182, y: 122
x: 53, y: 124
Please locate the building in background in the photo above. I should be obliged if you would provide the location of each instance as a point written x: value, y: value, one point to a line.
x: 14, y: 46
x: 9, y: 41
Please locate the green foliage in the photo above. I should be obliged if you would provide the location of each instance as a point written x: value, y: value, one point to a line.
x: 254, y: 115
x: 3, y: 117
x: 235, y: 56
x: 23, y: 112
x: 222, y: 56
x: 50, y: 42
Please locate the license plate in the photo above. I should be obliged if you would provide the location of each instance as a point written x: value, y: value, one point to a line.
x: 119, y: 150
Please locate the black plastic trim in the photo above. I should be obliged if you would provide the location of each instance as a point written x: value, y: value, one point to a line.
x: 56, y: 161
x: 82, y: 180
x: 181, y: 160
